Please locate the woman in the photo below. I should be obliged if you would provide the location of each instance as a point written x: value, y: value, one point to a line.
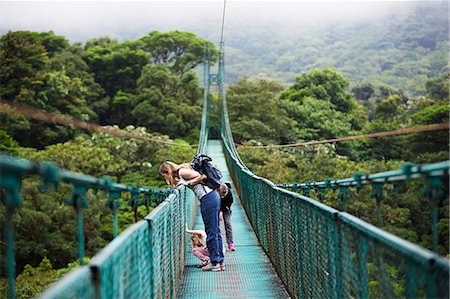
x: 183, y: 174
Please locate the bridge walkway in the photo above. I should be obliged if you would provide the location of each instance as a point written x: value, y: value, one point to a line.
x: 248, y: 271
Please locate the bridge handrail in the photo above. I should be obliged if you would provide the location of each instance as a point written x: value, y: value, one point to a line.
x: 320, y: 252
x: 407, y: 172
x: 144, y: 261
x: 13, y: 169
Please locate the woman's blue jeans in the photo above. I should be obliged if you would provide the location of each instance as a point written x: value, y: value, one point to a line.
x: 210, y: 208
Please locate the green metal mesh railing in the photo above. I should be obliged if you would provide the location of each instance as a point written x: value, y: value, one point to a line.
x: 434, y: 175
x: 320, y: 252
x: 145, y: 261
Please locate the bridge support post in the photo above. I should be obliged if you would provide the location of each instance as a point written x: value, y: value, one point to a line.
x: 79, y: 202
x: 10, y: 196
x: 433, y: 190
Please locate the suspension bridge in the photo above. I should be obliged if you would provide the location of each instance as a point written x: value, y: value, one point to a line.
x: 288, y: 245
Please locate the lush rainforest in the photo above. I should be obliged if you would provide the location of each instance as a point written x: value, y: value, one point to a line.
x: 151, y: 87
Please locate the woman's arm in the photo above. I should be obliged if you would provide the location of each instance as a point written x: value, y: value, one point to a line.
x: 193, y: 177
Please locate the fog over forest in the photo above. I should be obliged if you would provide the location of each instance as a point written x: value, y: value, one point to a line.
x: 381, y: 42
x: 79, y: 21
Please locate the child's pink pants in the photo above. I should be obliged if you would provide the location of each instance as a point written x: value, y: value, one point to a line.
x: 201, y: 252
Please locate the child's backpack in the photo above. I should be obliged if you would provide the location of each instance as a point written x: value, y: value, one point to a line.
x: 202, y: 164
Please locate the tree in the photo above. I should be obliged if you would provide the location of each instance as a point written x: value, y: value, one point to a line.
x: 389, y: 109
x: 318, y: 120
x: 23, y: 55
x: 363, y: 92
x: 180, y: 51
x: 167, y: 103
x: 324, y: 85
x: 256, y: 113
x: 7, y: 144
x: 438, y: 88
x: 116, y: 66
x: 431, y: 142
x: 34, y: 75
x: 70, y: 62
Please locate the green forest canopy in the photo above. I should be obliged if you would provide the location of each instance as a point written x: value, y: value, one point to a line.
x: 149, y: 87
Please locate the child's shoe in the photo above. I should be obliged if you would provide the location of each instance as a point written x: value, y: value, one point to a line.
x: 203, y: 264
x: 231, y: 247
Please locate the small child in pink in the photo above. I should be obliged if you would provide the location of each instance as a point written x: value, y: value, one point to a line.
x: 199, y: 249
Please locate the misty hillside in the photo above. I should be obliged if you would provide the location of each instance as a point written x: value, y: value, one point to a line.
x: 399, y: 51
x: 398, y: 43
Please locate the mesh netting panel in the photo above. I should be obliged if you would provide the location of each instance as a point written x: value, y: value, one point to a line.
x: 122, y: 268
x: 378, y: 265
x: 320, y: 252
x: 145, y: 261
x: 66, y: 288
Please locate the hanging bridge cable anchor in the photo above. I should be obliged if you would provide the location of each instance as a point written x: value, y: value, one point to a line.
x: 320, y: 191
x: 407, y: 170
x: 343, y: 196
x: 51, y: 176
x: 378, y: 193
x: 133, y: 202
x: 434, y: 190
x: 78, y: 201
x: 358, y: 177
x: 10, y: 185
x: 113, y: 195
x: 306, y: 189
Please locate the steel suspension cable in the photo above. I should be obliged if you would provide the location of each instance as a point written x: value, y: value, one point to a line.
x: 427, y: 128
x: 44, y: 116
x: 223, y: 21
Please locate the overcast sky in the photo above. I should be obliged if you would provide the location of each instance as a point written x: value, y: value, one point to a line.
x: 80, y: 20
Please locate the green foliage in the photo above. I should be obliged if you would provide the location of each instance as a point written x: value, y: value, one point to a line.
x: 256, y: 113
x: 116, y: 66
x: 106, y: 81
x: 438, y: 88
x: 32, y: 75
x: 318, y: 119
x: 180, y: 51
x: 167, y: 103
x: 419, y: 143
x: 403, y: 49
x: 7, y: 144
x: 389, y: 108
x: 34, y: 280
x: 326, y: 85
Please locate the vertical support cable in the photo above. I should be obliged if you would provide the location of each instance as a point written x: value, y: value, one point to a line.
x: 79, y: 202
x: 11, y: 264
x: 204, y: 131
x: 113, y: 196
x: 10, y: 196
x: 223, y: 21
x: 434, y: 191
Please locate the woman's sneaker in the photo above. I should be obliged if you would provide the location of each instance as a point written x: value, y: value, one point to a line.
x: 231, y: 247
x: 211, y: 267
